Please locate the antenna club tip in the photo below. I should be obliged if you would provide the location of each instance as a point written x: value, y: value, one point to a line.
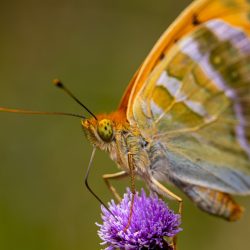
x: 57, y: 83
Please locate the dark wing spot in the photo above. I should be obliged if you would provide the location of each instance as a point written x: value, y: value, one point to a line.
x: 162, y: 56
x: 176, y: 40
x: 195, y: 20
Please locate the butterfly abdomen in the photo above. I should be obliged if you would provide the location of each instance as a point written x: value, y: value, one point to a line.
x: 215, y: 202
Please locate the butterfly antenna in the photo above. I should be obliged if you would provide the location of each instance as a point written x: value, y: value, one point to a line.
x: 31, y: 112
x: 60, y: 85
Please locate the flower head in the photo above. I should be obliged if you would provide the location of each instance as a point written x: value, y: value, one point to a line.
x: 151, y: 221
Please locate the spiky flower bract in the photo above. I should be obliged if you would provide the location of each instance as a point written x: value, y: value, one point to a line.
x: 151, y: 221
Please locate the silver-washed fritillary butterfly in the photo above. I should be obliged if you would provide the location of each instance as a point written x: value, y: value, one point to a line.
x: 185, y: 116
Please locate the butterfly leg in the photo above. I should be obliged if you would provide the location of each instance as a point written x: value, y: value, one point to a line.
x: 132, y: 179
x: 163, y: 190
x: 115, y: 176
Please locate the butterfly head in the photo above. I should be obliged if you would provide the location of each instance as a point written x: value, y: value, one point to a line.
x: 99, y: 132
x: 102, y: 131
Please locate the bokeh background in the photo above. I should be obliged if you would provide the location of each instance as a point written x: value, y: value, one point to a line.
x: 94, y: 47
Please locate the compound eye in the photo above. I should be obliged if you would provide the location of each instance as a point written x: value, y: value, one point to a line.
x: 105, y: 130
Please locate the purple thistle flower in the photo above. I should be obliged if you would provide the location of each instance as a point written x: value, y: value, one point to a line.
x: 151, y: 221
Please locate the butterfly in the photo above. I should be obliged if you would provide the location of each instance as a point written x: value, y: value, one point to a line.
x: 184, y: 118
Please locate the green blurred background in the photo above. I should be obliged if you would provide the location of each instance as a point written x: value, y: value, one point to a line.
x: 94, y: 47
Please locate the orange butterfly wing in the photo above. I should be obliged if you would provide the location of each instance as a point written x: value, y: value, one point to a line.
x: 198, y: 12
x: 209, y: 154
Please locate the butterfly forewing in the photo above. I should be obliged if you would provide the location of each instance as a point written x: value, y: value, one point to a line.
x: 195, y: 97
